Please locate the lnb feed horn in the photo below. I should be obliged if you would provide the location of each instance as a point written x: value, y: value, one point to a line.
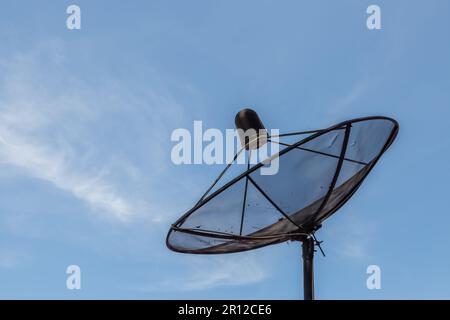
x: 250, y: 128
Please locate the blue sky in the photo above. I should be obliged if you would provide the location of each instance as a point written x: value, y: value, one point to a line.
x: 85, y: 123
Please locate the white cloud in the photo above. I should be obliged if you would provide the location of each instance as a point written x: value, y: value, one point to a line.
x: 215, y: 271
x: 352, y: 236
x: 51, y: 165
x: 11, y: 258
x: 49, y: 128
x: 354, y: 95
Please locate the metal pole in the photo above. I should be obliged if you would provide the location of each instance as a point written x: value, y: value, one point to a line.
x: 308, y: 270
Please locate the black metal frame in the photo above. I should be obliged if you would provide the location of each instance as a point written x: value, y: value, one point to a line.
x: 304, y: 232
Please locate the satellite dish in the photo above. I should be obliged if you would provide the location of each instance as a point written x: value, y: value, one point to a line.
x: 317, y: 175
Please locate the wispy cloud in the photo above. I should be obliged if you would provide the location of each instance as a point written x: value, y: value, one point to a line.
x: 351, y: 237
x: 216, y: 271
x: 11, y: 258
x: 49, y: 128
x: 45, y: 163
x: 354, y: 94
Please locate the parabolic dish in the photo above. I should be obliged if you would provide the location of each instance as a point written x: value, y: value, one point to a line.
x: 316, y: 176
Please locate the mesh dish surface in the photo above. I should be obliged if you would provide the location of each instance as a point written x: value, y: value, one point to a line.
x: 316, y: 176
